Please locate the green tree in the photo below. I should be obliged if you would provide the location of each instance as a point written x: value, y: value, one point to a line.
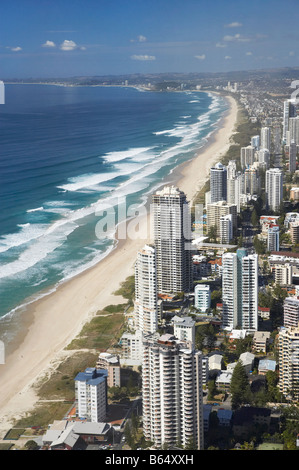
x: 254, y: 218
x: 211, y: 389
x: 31, y: 445
x: 212, y: 233
x: 239, y: 387
x: 191, y: 444
x: 259, y: 246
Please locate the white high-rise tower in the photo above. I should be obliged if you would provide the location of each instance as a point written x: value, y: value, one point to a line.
x: 146, y: 297
x: 172, y: 240
x: 266, y: 138
x: 172, y: 392
x: 240, y: 290
x: 274, y: 188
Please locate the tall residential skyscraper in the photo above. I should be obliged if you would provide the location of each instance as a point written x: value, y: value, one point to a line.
x: 273, y: 239
x: 252, y: 180
x: 235, y: 187
x: 289, y: 111
x: 294, y: 129
x: 218, y: 183
x: 231, y: 178
x: 266, y: 138
x: 146, y: 296
x: 274, y: 188
x: 247, y: 156
x: 255, y: 142
x: 248, y: 313
x: 240, y: 290
x: 216, y: 211
x: 264, y: 158
x: 172, y: 392
x: 288, y: 353
x: 229, y: 291
x: 226, y: 228
x: 292, y: 156
x: 172, y: 240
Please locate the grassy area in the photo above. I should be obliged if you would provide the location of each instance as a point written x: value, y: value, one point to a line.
x: 127, y: 289
x: 60, y: 385
x: 44, y: 414
x: 57, y: 392
x: 14, y: 434
x: 7, y: 446
x: 100, y: 333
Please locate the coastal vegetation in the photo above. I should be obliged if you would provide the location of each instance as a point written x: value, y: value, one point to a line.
x: 56, y: 390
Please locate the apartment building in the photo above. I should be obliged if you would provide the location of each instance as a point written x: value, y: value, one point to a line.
x: 172, y: 240
x: 111, y: 363
x: 288, y: 351
x: 91, y: 394
x: 217, y: 210
x: 291, y: 312
x: 247, y: 156
x: 146, y: 295
x: 218, y: 183
x: 202, y: 297
x: 274, y: 188
x: 184, y: 329
x: 240, y: 290
x: 172, y: 392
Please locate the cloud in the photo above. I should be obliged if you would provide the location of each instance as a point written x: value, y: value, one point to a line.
x: 219, y: 44
x: 140, y: 38
x: 143, y: 57
x: 249, y: 53
x: 227, y: 57
x: 15, y: 49
x: 49, y: 44
x: 68, y: 45
x: 291, y: 53
x: 236, y: 38
x: 200, y: 57
x: 234, y: 24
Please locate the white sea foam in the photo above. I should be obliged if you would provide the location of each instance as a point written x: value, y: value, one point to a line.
x: 39, y: 249
x: 36, y: 210
x: 112, y: 157
x: 27, y: 233
x: 88, y: 181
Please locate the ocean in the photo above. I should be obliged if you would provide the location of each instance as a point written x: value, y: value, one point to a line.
x: 69, y: 153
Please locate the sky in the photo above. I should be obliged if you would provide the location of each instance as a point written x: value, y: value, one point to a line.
x: 65, y: 38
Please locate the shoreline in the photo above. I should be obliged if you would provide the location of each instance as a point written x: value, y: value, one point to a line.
x: 51, y: 322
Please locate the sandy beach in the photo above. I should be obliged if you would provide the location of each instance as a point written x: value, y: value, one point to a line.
x: 50, y: 323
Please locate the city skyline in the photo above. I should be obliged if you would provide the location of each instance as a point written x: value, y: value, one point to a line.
x: 42, y: 39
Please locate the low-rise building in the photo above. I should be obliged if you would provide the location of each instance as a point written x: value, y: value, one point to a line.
x: 265, y: 366
x: 202, y: 297
x: 224, y: 417
x: 223, y: 380
x: 184, y: 329
x: 260, y: 341
x: 111, y: 363
x: 73, y: 435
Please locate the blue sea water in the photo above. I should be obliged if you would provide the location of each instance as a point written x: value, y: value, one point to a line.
x: 65, y: 152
